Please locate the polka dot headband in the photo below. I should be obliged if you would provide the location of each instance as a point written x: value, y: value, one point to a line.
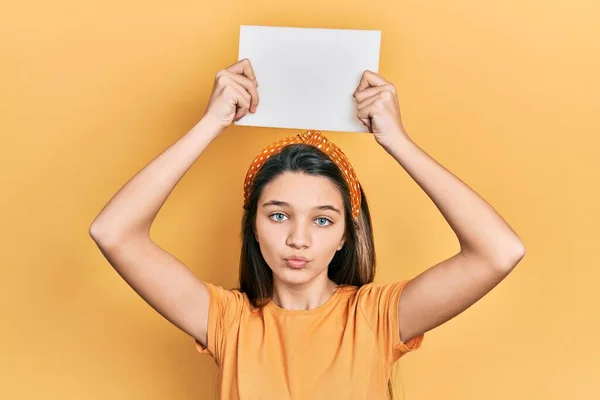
x: 315, y: 139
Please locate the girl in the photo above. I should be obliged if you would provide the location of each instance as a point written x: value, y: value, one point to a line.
x: 307, y: 321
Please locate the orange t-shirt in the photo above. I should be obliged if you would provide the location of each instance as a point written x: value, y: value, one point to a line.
x: 343, y: 349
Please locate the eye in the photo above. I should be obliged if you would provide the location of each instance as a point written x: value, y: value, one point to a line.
x: 276, y: 220
x: 324, y: 219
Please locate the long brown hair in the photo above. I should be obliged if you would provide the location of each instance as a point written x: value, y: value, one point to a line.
x: 353, y: 265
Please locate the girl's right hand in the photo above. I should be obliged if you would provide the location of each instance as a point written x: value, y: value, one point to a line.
x: 234, y: 94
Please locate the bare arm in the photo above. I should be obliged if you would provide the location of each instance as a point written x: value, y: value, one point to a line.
x: 134, y: 207
x: 480, y: 230
x: 122, y: 228
x: 490, y: 249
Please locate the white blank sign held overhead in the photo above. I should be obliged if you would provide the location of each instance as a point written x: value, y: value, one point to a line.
x: 306, y: 76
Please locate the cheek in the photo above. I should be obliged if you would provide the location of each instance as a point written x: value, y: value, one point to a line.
x: 267, y: 232
x: 270, y: 239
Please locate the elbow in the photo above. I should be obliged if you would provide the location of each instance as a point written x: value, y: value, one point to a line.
x: 104, y: 237
x: 94, y: 232
x: 511, y: 257
x: 99, y: 230
x: 99, y: 235
x: 502, y: 259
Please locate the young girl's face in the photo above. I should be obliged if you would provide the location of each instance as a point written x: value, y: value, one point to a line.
x: 299, y: 215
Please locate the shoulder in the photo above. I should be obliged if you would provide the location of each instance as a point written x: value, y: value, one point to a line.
x: 376, y: 292
x: 227, y: 301
x: 374, y: 298
x: 379, y: 302
x: 379, y: 305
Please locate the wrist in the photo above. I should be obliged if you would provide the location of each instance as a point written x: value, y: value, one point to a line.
x: 210, y: 125
x: 396, y: 141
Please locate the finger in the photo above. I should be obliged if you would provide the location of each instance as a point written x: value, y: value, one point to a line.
x: 243, y: 101
x: 365, y: 94
x: 368, y: 79
x: 366, y: 104
x: 226, y: 80
x: 243, y: 67
x: 363, y: 114
x: 246, y: 84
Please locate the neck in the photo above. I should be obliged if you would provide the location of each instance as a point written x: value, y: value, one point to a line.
x: 307, y: 296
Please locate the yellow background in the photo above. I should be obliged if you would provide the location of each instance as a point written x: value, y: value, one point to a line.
x: 506, y: 95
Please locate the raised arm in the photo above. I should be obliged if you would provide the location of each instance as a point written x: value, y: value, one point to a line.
x: 122, y: 233
x: 122, y: 228
x: 489, y: 248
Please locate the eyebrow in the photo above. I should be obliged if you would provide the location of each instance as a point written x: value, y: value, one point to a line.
x: 284, y: 204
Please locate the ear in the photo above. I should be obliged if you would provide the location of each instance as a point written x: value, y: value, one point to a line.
x: 341, y: 245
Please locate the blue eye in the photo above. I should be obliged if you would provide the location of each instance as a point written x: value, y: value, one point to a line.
x: 278, y: 220
x: 281, y: 220
x: 324, y: 219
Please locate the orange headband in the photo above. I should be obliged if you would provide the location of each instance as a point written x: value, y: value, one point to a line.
x: 315, y: 139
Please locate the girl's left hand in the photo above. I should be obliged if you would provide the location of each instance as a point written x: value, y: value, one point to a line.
x: 378, y: 108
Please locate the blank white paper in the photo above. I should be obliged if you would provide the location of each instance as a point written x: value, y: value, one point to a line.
x: 306, y: 76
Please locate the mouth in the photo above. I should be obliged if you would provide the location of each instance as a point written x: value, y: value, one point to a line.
x: 295, y: 263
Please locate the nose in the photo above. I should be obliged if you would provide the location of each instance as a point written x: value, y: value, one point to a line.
x: 299, y: 235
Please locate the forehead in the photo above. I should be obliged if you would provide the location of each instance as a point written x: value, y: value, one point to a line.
x: 302, y: 190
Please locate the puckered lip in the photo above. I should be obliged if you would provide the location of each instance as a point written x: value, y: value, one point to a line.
x: 296, y: 258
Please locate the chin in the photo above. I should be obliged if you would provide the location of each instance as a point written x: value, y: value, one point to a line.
x: 295, y: 276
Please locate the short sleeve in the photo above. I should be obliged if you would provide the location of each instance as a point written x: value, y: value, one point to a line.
x: 379, y: 305
x: 224, y: 308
